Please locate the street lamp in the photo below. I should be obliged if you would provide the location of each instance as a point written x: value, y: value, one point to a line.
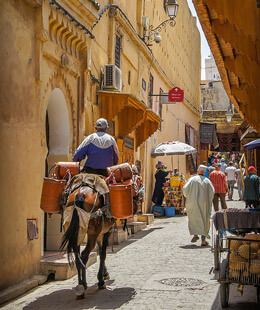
x: 172, y: 9
x: 229, y: 115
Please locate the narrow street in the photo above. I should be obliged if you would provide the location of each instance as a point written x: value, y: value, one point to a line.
x: 157, y: 268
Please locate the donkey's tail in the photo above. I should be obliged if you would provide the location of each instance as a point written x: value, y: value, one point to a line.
x: 69, y: 240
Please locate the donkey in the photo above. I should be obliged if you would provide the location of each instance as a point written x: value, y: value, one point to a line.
x: 98, y: 231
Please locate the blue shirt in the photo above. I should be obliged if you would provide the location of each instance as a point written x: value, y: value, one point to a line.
x: 101, y: 150
x: 223, y: 167
x: 207, y: 173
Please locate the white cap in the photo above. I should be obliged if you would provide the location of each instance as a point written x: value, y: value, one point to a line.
x: 101, y: 123
x: 202, y: 168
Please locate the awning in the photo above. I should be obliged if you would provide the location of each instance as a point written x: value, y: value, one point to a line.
x: 132, y: 114
x: 232, y: 29
x: 148, y: 127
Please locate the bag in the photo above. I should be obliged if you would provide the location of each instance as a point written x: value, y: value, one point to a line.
x: 121, y: 172
x: 61, y: 169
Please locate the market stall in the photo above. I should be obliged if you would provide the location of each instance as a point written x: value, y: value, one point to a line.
x: 173, y: 197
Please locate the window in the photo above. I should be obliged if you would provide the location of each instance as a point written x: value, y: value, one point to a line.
x: 150, y: 92
x: 117, y: 51
x: 129, y: 77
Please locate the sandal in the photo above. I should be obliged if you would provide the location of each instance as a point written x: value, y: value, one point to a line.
x: 194, y: 239
x: 205, y: 244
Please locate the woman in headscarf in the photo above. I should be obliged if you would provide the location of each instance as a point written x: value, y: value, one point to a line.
x: 160, y: 176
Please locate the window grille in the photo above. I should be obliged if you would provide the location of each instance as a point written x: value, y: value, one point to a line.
x: 117, y: 51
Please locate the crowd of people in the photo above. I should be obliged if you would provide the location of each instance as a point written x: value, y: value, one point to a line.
x: 213, y: 181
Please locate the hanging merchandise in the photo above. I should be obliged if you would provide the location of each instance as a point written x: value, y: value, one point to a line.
x: 173, y: 196
x: 191, y: 164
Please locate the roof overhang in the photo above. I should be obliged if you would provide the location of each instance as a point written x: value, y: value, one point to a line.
x: 232, y: 28
x: 132, y: 114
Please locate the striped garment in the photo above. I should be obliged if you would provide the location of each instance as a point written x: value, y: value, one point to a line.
x: 101, y: 150
x: 218, y: 180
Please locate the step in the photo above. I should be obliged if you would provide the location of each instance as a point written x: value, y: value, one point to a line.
x: 58, y: 265
x: 21, y: 288
x: 133, y: 218
x: 147, y: 218
x: 136, y: 226
x: 117, y: 236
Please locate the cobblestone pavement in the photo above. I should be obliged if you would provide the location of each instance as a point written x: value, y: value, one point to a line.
x: 158, y: 268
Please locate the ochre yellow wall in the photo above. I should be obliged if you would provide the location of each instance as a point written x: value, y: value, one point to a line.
x: 23, y: 148
x: 31, y: 62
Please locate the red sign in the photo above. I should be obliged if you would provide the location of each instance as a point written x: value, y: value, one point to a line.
x: 176, y: 95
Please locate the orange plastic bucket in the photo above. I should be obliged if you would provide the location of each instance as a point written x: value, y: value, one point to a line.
x: 121, y: 200
x: 51, y: 192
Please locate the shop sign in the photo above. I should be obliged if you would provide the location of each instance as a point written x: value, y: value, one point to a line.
x: 129, y: 143
x: 176, y: 95
x: 206, y: 133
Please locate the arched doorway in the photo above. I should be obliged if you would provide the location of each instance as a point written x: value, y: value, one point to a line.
x: 58, y: 142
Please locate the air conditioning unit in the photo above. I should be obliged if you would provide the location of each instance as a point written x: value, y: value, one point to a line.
x: 112, y: 78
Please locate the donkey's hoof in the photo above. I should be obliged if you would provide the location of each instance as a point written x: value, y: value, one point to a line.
x: 80, y: 290
x: 102, y: 286
x: 80, y: 297
x: 107, y: 276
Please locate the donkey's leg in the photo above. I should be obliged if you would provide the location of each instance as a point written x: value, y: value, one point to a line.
x: 85, y: 256
x: 102, y: 268
x: 80, y: 288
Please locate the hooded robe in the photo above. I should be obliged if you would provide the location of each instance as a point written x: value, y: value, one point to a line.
x: 199, y: 192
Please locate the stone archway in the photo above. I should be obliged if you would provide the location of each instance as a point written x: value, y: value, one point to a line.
x: 59, y: 124
x: 58, y: 142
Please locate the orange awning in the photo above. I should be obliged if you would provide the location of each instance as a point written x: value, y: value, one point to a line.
x: 132, y: 114
x: 232, y: 28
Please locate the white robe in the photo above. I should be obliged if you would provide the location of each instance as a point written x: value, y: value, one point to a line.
x: 199, y: 192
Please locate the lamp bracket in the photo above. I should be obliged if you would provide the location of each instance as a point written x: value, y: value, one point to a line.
x: 170, y: 21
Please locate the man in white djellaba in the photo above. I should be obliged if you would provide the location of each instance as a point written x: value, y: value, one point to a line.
x: 199, y: 193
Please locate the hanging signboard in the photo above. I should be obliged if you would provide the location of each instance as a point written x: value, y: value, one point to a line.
x: 176, y: 95
x: 164, y: 98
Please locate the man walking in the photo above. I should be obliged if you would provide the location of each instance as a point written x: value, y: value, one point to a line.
x: 199, y: 192
x: 240, y: 188
x: 251, y: 193
x: 223, y: 165
x: 218, y: 180
x: 231, y: 178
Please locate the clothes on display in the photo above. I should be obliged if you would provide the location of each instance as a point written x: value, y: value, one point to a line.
x: 173, y: 196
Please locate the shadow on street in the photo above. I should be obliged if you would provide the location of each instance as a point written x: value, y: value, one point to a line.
x: 194, y: 247
x: 94, y: 298
x: 237, y: 301
x: 137, y: 236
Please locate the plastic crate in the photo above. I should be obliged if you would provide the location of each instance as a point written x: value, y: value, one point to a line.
x: 169, y: 211
x: 158, y: 210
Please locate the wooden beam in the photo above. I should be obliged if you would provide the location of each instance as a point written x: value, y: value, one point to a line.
x: 229, y: 33
x: 242, y: 13
x: 244, y: 68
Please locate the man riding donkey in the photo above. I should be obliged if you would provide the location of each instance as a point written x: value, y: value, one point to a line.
x: 87, y: 203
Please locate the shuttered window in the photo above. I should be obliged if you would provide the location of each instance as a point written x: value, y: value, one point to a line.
x: 117, y: 51
x: 150, y: 92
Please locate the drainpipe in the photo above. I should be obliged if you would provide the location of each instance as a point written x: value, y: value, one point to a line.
x: 111, y: 38
x: 78, y: 109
